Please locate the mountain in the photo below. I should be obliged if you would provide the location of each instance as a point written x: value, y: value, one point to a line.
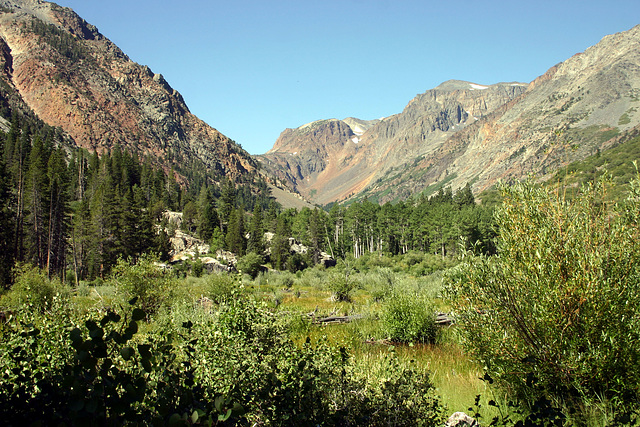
x: 329, y: 160
x: 313, y: 151
x: 57, y: 66
x: 461, y: 132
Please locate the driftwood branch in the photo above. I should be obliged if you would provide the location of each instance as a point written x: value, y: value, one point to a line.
x: 441, y: 319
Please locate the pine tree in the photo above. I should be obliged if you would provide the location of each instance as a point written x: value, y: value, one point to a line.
x: 256, y: 231
x: 190, y: 217
x: 280, y: 248
x: 208, y: 219
x: 36, y: 205
x: 128, y: 240
x: 171, y: 194
x: 104, y: 224
x: 6, y: 226
x: 18, y: 155
x: 80, y: 238
x: 226, y: 203
x: 317, y: 230
x: 58, y: 214
x: 235, y: 239
x: 464, y: 197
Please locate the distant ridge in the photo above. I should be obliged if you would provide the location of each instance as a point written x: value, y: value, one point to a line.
x: 462, y: 132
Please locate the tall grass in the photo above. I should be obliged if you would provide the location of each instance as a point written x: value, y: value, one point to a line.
x: 455, y: 376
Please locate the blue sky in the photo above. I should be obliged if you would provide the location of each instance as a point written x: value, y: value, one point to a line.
x: 251, y: 68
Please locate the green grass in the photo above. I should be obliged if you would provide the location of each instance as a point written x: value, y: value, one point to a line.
x: 455, y: 376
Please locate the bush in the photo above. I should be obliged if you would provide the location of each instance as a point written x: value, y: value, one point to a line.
x: 380, y: 283
x: 220, y: 286
x: 145, y: 280
x: 408, y: 318
x: 34, y: 290
x: 245, y: 352
x: 101, y: 375
x: 250, y: 264
x: 342, y: 286
x: 560, y: 301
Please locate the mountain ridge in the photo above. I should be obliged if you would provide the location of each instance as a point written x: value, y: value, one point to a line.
x: 76, y: 79
x: 456, y: 133
x: 386, y: 143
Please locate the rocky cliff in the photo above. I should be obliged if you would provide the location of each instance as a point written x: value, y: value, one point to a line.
x: 74, y: 78
x: 331, y: 159
x: 462, y: 132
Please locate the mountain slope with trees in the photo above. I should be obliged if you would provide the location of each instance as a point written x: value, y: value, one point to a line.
x: 72, y: 77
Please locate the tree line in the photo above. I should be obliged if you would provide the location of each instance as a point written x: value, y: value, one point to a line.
x: 68, y: 210
x: 74, y: 213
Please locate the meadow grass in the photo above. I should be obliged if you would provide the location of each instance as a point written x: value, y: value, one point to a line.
x: 455, y: 376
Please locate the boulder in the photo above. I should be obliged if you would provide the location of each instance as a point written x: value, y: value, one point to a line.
x: 460, y: 419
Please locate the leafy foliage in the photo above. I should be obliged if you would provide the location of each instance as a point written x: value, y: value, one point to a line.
x: 408, y: 318
x: 250, y: 264
x: 560, y: 301
x: 33, y: 290
x: 107, y: 378
x: 245, y: 353
x: 145, y: 281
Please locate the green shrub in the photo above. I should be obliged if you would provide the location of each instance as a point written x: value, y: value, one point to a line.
x: 560, y: 301
x: 245, y: 352
x: 408, y: 318
x: 101, y: 375
x: 145, y: 280
x: 250, y: 264
x: 32, y: 289
x: 342, y: 286
x: 197, y: 267
x: 297, y: 262
x: 379, y: 283
x: 220, y: 286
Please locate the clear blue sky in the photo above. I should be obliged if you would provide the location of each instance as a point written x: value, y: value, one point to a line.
x: 251, y: 68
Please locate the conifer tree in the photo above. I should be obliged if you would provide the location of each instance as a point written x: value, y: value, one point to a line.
x: 128, y: 241
x: 280, y: 247
x: 36, y: 205
x: 58, y: 213
x: 20, y: 140
x: 171, y: 194
x: 270, y: 220
x: 235, y: 239
x: 208, y: 219
x: 316, y: 234
x: 80, y: 238
x: 6, y: 226
x: 104, y: 223
x: 226, y: 202
x: 190, y: 217
x: 256, y: 231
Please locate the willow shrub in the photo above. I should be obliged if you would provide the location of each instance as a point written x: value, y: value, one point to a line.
x: 32, y: 290
x: 246, y: 353
x: 557, y: 312
x: 408, y: 318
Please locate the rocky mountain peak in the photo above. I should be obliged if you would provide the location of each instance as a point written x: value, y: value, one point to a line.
x: 74, y: 78
x: 462, y: 132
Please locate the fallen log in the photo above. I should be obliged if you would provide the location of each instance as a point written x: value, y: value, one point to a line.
x: 444, y: 319
x: 337, y: 319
